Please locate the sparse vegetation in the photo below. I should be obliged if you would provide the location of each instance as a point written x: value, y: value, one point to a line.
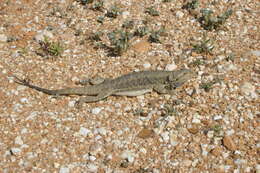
x: 84, y: 2
x: 119, y: 40
x: 217, y: 129
x: 113, y: 12
x: 191, y: 5
x: 208, y: 22
x: 50, y: 48
x: 166, y: 0
x: 198, y: 62
x: 152, y: 11
x: 206, y: 86
x: 155, y: 36
x: 169, y: 110
x: 205, y: 46
x: 141, y: 31
x: 129, y: 24
x: 100, y: 19
x: 98, y: 6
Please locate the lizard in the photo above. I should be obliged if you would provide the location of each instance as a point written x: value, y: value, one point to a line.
x: 132, y: 84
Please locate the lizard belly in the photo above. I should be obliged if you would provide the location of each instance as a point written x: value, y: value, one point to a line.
x: 133, y: 92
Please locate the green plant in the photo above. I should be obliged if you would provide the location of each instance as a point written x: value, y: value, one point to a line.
x: 208, y: 22
x: 152, y: 11
x: 98, y: 6
x: 169, y: 110
x: 166, y: 0
x: 51, y: 48
x: 155, y: 36
x: 113, y: 12
x: 217, y: 129
x: 100, y: 19
x: 191, y: 5
x: 129, y: 24
x: 95, y: 36
x: 141, y: 31
x: 84, y: 2
x: 120, y: 41
x: 198, y: 62
x: 205, y: 46
x: 230, y: 57
x: 207, y: 86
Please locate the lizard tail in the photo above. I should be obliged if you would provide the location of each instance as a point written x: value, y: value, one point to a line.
x: 67, y: 91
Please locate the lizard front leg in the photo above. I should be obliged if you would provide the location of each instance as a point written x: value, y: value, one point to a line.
x: 163, y: 89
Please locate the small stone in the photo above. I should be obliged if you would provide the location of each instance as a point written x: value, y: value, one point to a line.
x: 141, y: 46
x: 125, y: 14
x: 102, y: 131
x: 147, y: 65
x: 196, y: 119
x: 71, y: 103
x: 92, y: 167
x: 216, y: 151
x: 42, y: 34
x: 210, y: 134
x: 229, y: 67
x: 24, y: 100
x: 145, y: 133
x: 18, y: 140
x: 193, y: 129
x: 248, y: 89
x: 84, y: 131
x: 3, y: 38
x: 173, y: 139
x: 170, y: 67
x: 256, y: 52
x: 179, y: 14
x: 96, y: 111
x: 128, y: 155
x: 165, y: 136
x: 15, y: 150
x: 217, y: 117
x: 229, y: 143
x: 64, y: 170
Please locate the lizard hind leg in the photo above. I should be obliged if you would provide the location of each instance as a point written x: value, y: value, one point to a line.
x: 89, y: 99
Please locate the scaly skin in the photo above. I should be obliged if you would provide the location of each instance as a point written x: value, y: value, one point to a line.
x: 132, y: 84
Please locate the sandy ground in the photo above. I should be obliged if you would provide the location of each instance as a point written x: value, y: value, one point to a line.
x: 210, y: 124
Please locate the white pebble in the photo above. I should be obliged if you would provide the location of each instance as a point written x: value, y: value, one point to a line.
x: 179, y: 14
x: 92, y: 167
x: 196, y: 119
x: 248, y: 89
x: 15, y: 150
x: 217, y: 117
x: 42, y: 34
x: 128, y: 155
x: 102, y: 131
x: 125, y: 14
x: 64, y: 170
x: 3, y: 38
x: 147, y: 65
x: 24, y: 100
x: 170, y: 67
x: 96, y: 111
x: 71, y: 103
x: 256, y: 52
x: 165, y: 136
x: 84, y: 131
x: 18, y: 140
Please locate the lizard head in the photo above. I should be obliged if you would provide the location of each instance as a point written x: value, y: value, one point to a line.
x: 179, y: 77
